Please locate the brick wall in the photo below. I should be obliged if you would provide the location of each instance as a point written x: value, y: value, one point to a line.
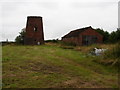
x: 34, y: 31
x: 78, y: 40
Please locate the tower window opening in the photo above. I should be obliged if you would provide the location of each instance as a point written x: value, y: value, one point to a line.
x: 35, y: 29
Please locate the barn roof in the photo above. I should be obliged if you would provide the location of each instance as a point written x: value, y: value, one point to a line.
x: 76, y: 32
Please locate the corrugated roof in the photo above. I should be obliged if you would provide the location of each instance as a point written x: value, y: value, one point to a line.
x: 75, y: 33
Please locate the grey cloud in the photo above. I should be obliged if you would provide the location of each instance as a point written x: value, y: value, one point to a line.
x: 10, y: 7
x: 48, y: 5
x: 92, y: 4
x: 57, y: 19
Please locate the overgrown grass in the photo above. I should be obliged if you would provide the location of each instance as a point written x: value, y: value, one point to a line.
x: 112, y: 56
x: 50, y: 65
x: 114, y: 53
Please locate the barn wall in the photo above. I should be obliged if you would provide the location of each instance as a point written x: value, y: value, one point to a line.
x: 70, y: 40
x: 74, y: 40
x: 94, y: 33
x: 31, y: 36
x: 78, y: 40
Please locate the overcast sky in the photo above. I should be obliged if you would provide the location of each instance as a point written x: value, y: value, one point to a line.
x: 59, y: 16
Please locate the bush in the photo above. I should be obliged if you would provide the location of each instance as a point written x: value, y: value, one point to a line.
x: 113, y: 55
x: 68, y: 44
x: 20, y: 38
x: 52, y: 41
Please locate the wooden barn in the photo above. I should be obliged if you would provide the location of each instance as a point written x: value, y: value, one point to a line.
x: 34, y: 34
x: 83, y: 36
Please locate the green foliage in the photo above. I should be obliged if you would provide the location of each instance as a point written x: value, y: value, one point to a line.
x: 53, y: 41
x: 20, y: 39
x: 104, y: 33
x: 68, y: 44
x: 112, y: 56
x: 114, y: 53
x: 115, y: 36
x: 112, y: 37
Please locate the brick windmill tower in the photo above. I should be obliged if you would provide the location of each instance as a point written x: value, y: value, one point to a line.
x: 34, y: 31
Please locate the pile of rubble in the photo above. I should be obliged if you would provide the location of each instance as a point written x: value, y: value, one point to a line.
x: 98, y: 51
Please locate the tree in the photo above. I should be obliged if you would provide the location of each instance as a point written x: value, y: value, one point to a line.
x: 112, y: 37
x: 118, y: 34
x: 104, y: 33
x: 20, y: 39
x: 115, y: 36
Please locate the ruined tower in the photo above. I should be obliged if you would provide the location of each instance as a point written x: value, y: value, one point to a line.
x: 34, y: 31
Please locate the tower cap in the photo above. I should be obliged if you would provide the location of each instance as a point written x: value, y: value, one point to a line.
x: 34, y: 17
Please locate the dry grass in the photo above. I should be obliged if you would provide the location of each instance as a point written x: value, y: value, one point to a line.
x: 87, y: 49
x: 50, y: 65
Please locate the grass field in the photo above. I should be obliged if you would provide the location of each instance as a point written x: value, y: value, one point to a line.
x: 50, y: 66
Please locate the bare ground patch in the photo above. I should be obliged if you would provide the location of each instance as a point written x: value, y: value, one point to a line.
x: 41, y: 67
x: 78, y: 83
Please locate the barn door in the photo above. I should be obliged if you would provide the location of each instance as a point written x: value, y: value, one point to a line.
x: 89, y: 39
